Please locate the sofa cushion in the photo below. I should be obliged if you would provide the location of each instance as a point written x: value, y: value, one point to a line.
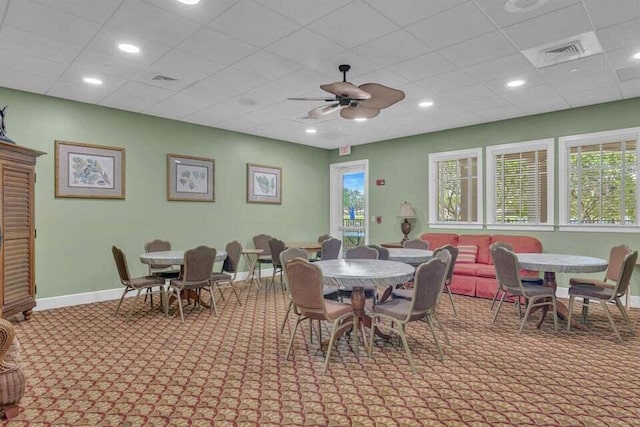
x: 465, y: 269
x: 440, y: 239
x: 521, y: 244
x: 467, y: 254
x: 482, y: 241
x: 485, y: 270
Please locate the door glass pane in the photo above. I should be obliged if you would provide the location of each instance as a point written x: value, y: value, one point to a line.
x: 353, y: 214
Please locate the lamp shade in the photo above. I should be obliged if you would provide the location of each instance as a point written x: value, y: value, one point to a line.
x: 406, y: 211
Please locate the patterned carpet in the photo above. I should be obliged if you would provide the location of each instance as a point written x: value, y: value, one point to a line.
x: 86, y: 367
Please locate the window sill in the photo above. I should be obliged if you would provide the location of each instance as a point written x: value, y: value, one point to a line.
x: 529, y: 227
x: 456, y: 225
x: 600, y: 228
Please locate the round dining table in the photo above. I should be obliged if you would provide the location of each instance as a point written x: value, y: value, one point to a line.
x: 559, y: 263
x: 172, y: 257
x: 410, y: 256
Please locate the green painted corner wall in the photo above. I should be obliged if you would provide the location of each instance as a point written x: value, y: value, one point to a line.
x: 404, y: 166
x: 75, y: 235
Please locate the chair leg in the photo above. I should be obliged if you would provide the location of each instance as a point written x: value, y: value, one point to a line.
x: 453, y: 306
x: 127, y: 289
x: 214, y: 309
x: 441, y: 327
x: 526, y: 315
x: 293, y: 334
x: 435, y: 338
x: 320, y: 334
x: 495, y: 297
x: 613, y: 325
x: 495, y: 315
x: 624, y: 314
x: 134, y: 305
x: 179, y: 298
x: 286, y: 316
x: 555, y: 313
x: 220, y: 290
x: 233, y: 288
x: 570, y: 309
x: 331, y: 341
x: 403, y: 337
x: 372, y: 332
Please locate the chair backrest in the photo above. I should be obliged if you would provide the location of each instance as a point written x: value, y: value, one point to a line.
x: 323, y: 237
x: 507, y: 267
x: 330, y: 248
x: 428, y: 285
x: 289, y: 255
x: 453, y: 251
x: 383, y: 253
x: 624, y: 278
x: 121, y: 264
x: 157, y: 245
x: 504, y: 245
x: 275, y: 247
x: 233, y: 250
x: 261, y: 241
x: 416, y: 244
x: 361, y: 252
x: 305, y: 283
x: 616, y: 262
x: 198, y: 263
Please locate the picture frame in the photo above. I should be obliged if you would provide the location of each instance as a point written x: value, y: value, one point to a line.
x: 89, y: 171
x: 264, y: 184
x: 190, y: 179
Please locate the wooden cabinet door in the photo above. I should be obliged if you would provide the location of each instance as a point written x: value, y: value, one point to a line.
x: 17, y: 250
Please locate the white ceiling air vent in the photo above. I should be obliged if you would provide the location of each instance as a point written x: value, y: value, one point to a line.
x: 565, y: 50
x: 161, y: 80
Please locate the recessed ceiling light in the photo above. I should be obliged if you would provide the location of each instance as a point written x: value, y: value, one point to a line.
x: 129, y: 48
x: 636, y: 56
x: 189, y: 2
x: 425, y: 104
x: 522, y: 6
x: 361, y: 119
x: 515, y: 83
x: 574, y: 70
x: 92, y: 80
x: 311, y: 130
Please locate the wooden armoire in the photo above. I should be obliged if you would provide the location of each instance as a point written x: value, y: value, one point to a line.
x: 17, y: 244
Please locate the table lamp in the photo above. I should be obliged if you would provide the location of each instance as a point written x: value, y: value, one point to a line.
x: 406, y: 212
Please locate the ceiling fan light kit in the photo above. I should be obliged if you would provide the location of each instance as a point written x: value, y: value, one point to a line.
x: 354, y: 102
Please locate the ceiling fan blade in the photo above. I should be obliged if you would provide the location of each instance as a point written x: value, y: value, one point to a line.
x: 346, y: 90
x: 381, y: 96
x: 318, y: 112
x: 359, y: 112
x: 312, y: 98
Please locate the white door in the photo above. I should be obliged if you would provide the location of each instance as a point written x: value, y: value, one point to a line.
x: 349, y: 204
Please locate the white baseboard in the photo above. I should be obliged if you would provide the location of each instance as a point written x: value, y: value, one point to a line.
x: 105, y: 295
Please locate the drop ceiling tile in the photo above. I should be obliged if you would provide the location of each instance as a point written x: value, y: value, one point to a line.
x: 359, y: 65
x: 557, y: 25
x: 531, y: 79
x: 295, y: 47
x: 246, y: 21
x: 178, y: 106
x: 621, y: 58
x: 391, y: 48
x: 51, y: 23
x: 407, y: 12
x: 124, y: 101
x: 3, y: 5
x: 479, y: 49
x: 78, y: 92
x: 353, y: 25
x: 151, y: 23
x: 94, y: 10
x: 592, y: 81
x: 38, y: 46
x: 630, y: 89
x: 447, y: 81
x: 201, y: 13
x: 541, y: 105
x: 498, y: 14
x: 381, y: 76
x: 91, y: 61
x: 21, y: 80
x: 107, y: 41
x: 185, y: 67
x: 504, y: 68
x: 267, y: 65
x: 452, y: 26
x: 574, y: 69
x: 235, y: 80
x: 465, y: 94
x: 619, y: 36
x: 306, y: 82
x: 217, y: 47
x: 500, y: 113
x: 210, y: 92
x: 145, y: 91
x: 421, y: 67
x: 592, y: 96
x: 525, y: 94
x: 605, y: 13
x: 303, y: 12
x: 30, y: 65
x: 479, y: 105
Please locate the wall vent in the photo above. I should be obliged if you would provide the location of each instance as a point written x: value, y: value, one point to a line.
x: 560, y: 51
x: 161, y: 80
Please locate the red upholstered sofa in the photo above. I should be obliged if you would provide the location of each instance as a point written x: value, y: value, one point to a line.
x: 479, y: 278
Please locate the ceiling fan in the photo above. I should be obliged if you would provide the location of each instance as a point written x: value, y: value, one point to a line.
x: 354, y: 102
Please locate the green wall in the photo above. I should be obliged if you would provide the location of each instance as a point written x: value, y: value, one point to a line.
x: 403, y: 163
x: 75, y: 235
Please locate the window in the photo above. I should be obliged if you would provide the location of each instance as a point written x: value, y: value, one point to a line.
x: 455, y: 189
x: 599, y: 181
x: 520, y: 185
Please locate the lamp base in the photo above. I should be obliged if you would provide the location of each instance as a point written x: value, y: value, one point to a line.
x: 405, y: 227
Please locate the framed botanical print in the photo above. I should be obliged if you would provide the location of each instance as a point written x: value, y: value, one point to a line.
x: 89, y: 171
x: 264, y: 184
x: 190, y: 178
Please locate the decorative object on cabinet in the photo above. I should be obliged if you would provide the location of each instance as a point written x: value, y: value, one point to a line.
x: 89, y: 171
x: 406, y: 212
x: 17, y: 235
x: 264, y: 184
x: 3, y: 126
x: 190, y: 178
